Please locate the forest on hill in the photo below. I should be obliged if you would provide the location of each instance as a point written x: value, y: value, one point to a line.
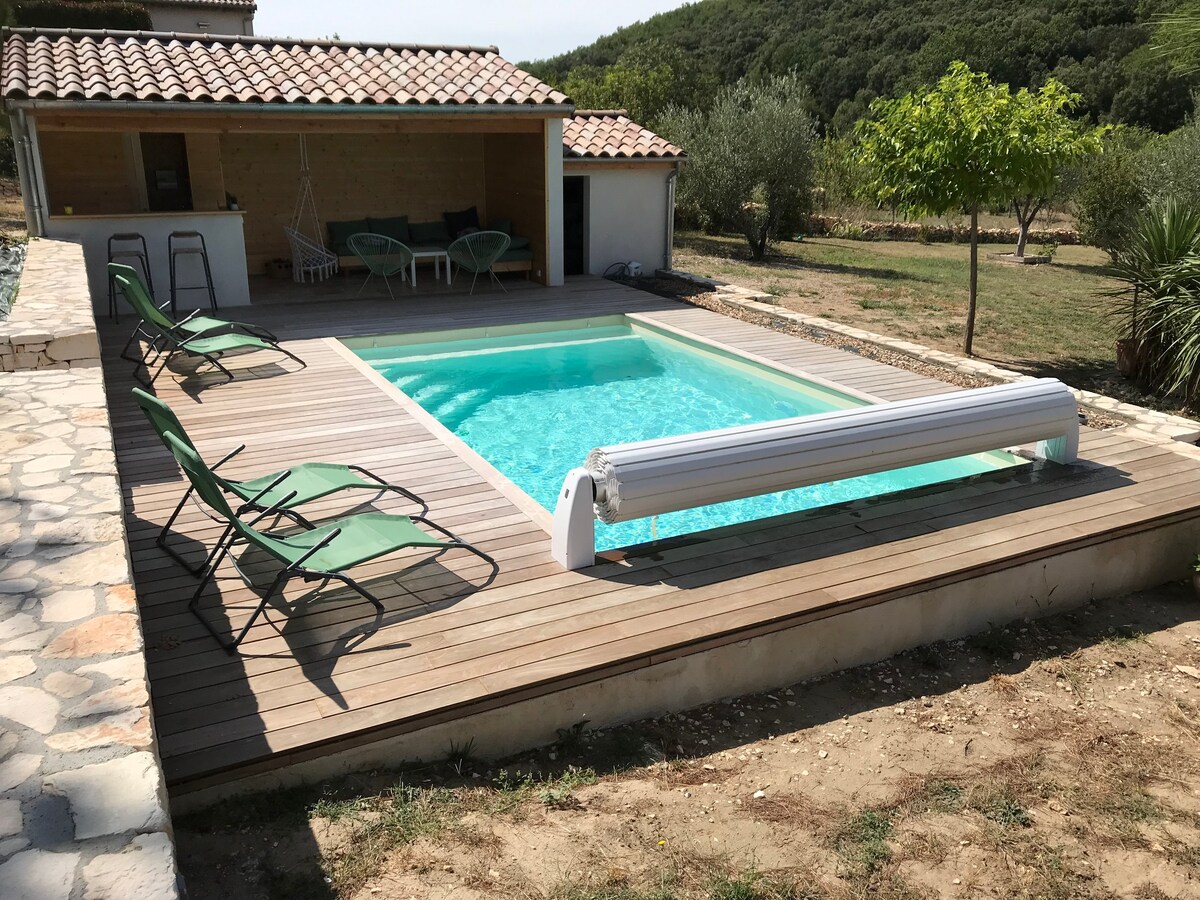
x: 849, y: 52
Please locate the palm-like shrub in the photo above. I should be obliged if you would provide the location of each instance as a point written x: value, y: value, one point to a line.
x: 1159, y: 303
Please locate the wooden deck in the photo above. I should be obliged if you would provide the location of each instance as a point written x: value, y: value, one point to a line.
x: 454, y: 639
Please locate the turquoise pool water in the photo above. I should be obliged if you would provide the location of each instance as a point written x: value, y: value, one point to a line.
x: 534, y: 404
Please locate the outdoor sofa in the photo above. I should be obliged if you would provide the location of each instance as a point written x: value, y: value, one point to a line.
x: 441, y: 234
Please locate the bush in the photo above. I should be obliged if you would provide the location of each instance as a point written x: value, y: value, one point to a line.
x: 831, y: 226
x: 1159, y: 305
x: 1108, y: 191
x: 1169, y: 166
x: 115, y: 14
x: 750, y: 159
x: 8, y: 156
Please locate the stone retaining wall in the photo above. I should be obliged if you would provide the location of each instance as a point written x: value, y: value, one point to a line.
x: 83, y: 807
x: 1148, y: 423
x: 51, y: 325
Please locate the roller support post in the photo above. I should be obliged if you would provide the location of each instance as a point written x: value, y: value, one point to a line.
x: 573, y: 541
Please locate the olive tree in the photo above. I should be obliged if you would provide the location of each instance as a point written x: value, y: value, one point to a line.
x: 969, y: 143
x: 750, y: 158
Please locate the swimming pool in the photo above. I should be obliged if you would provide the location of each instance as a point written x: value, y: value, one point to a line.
x: 534, y: 401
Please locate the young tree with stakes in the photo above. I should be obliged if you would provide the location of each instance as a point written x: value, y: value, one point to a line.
x: 969, y: 143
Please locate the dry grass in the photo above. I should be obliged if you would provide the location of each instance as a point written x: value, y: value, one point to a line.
x: 955, y: 768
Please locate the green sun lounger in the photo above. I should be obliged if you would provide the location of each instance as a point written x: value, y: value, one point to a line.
x: 192, y: 325
x: 196, y: 335
x: 321, y: 554
x: 284, y: 490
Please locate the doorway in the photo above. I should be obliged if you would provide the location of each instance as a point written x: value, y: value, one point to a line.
x: 575, y: 225
x: 164, y: 159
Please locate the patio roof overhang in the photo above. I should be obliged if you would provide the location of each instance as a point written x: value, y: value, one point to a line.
x: 301, y: 110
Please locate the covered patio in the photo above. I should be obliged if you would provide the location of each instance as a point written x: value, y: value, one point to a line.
x: 205, y: 135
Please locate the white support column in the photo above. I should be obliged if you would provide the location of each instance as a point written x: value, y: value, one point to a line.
x: 554, y: 202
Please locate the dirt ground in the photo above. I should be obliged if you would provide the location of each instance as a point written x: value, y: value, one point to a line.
x: 1056, y: 758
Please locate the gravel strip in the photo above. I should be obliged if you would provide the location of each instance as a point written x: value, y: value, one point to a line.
x: 676, y: 290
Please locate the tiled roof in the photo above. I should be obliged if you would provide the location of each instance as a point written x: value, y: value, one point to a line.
x: 611, y: 134
x: 45, y: 64
x: 247, y: 5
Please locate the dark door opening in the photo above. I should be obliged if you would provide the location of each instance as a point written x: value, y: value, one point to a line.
x: 168, y: 186
x: 574, y: 225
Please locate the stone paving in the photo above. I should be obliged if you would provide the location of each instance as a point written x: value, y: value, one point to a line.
x: 51, y: 325
x: 83, y: 810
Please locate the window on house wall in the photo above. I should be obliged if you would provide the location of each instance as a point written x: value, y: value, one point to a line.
x: 165, y: 163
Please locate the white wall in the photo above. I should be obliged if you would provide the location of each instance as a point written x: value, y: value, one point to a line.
x: 222, y: 233
x: 626, y: 217
x: 199, y: 20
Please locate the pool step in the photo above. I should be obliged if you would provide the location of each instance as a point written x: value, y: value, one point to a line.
x: 408, y: 359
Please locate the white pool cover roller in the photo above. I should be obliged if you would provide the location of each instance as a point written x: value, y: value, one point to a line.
x: 647, y: 478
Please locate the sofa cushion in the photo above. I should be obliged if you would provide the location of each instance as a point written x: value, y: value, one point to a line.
x: 339, y: 234
x: 457, y: 222
x: 425, y: 233
x: 515, y: 255
x: 518, y: 243
x: 504, y: 226
x: 395, y: 227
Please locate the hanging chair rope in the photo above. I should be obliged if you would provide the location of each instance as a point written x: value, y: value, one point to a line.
x: 310, y: 258
x: 304, y: 218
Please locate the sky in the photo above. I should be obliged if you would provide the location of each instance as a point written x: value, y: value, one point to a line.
x: 522, y: 29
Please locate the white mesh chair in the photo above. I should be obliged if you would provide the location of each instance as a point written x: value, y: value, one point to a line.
x: 383, y: 256
x: 477, y: 253
x: 310, y: 261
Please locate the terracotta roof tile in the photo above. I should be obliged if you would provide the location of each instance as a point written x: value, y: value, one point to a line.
x: 611, y: 134
x: 45, y: 64
x: 247, y: 5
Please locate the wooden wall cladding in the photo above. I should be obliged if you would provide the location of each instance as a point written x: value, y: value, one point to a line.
x: 516, y: 189
x: 91, y: 173
x: 354, y: 176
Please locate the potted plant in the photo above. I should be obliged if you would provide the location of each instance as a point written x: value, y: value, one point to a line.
x: 1129, y: 356
x: 1129, y: 349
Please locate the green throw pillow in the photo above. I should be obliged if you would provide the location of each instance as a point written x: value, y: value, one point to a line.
x: 518, y: 243
x: 339, y: 234
x: 461, y: 221
x: 428, y: 232
x: 395, y: 227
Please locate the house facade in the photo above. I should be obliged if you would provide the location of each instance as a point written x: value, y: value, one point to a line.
x: 207, y: 134
x: 618, y: 193
x: 202, y: 16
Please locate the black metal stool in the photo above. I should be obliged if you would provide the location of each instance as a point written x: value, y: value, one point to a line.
x: 188, y: 248
x: 142, y: 255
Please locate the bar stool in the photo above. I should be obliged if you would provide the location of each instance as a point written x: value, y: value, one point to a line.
x: 142, y: 255
x: 188, y: 248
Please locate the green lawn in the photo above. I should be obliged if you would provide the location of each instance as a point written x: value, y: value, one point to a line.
x: 1049, y: 319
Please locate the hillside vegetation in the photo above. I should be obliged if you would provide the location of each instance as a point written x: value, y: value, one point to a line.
x: 851, y: 51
